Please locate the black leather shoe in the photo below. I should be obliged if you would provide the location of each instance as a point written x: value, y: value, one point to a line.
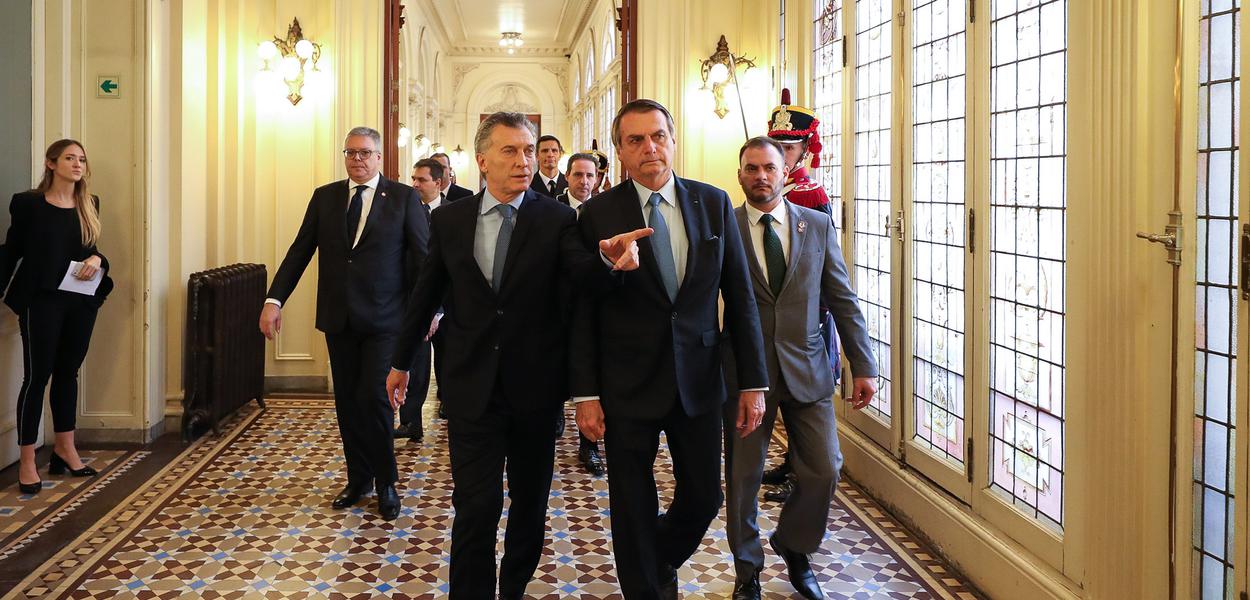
x: 748, y: 589
x: 800, y: 571
x: 780, y: 493
x: 388, y: 502
x: 777, y: 474
x: 58, y: 466
x: 411, y: 431
x: 668, y: 583
x: 351, y: 494
x: 29, y: 488
x: 589, y: 457
x: 511, y: 595
x: 441, y: 414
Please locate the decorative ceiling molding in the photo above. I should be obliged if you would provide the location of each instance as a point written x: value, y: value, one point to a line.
x: 498, y: 52
x: 510, y: 101
x: 460, y: 70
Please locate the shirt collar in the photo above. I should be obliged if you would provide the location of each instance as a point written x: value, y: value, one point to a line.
x: 489, y: 202
x: 371, y: 184
x: 778, y: 212
x: 668, y: 191
x: 546, y: 180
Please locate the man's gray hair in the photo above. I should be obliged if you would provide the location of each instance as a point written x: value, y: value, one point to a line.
x: 365, y: 131
x: 515, y: 120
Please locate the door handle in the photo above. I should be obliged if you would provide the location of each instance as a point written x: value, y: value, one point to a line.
x: 1171, y: 238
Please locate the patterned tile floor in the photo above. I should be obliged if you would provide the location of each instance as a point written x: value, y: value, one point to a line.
x: 245, y: 514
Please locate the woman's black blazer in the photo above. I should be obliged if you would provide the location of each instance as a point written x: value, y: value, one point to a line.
x: 43, y: 259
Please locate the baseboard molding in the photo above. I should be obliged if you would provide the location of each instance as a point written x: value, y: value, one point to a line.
x: 129, y: 436
x: 297, y: 383
x: 993, y: 562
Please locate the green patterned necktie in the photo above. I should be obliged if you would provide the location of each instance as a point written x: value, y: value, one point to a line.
x: 774, y: 258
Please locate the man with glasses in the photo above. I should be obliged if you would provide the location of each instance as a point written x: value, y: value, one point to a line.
x: 370, y: 234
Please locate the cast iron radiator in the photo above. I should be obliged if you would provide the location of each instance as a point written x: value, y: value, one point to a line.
x: 224, y: 358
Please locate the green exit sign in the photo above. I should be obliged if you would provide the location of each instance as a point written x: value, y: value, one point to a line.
x: 108, y: 86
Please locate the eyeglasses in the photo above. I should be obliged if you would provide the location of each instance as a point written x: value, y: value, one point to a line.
x: 358, y: 154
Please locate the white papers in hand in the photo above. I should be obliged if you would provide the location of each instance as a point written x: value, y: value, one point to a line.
x: 80, y: 286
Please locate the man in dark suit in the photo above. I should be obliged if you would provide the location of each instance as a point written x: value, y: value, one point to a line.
x: 796, y: 267
x: 549, y: 181
x: 428, y: 176
x: 370, y: 234
x: 499, y: 260
x: 659, y: 334
x: 451, y: 191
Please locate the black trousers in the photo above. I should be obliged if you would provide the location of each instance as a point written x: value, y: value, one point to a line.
x: 56, y: 331
x: 644, y: 544
x: 418, y: 386
x: 360, y: 363
x: 482, y: 449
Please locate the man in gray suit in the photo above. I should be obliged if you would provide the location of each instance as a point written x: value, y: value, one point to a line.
x: 796, y: 266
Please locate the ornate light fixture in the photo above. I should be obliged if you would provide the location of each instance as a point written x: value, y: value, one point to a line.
x: 420, y: 145
x: 510, y: 40
x: 459, y: 159
x: 404, y: 136
x: 719, y: 70
x: 292, y: 58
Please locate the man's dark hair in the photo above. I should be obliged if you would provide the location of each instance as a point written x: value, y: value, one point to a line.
x: 594, y: 161
x: 642, y: 105
x: 550, y: 138
x: 762, y: 141
x: 436, y: 168
x: 442, y: 155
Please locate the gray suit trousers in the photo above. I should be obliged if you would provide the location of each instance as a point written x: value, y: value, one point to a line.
x: 816, y: 461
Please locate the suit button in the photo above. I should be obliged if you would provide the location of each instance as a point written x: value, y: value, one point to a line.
x: 674, y: 316
x: 499, y: 312
x: 496, y: 346
x: 349, y: 261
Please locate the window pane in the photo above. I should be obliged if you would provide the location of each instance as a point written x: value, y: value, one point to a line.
x: 1215, y: 343
x: 938, y: 236
x: 1028, y: 100
x: 827, y: 59
x: 873, y: 71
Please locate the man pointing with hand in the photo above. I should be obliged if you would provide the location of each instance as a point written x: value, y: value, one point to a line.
x: 497, y: 262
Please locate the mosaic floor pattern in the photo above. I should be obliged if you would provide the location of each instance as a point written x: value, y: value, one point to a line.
x: 245, y: 514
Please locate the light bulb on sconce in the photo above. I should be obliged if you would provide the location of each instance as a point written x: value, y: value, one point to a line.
x: 720, y: 71
x: 294, y: 59
x: 437, y: 148
x: 459, y: 158
x: 404, y: 136
x: 420, y: 145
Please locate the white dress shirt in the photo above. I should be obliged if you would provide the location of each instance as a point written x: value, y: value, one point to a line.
x: 487, y: 232
x: 756, y: 229
x: 435, y: 203
x: 547, y: 181
x: 366, y: 203
x: 677, y: 240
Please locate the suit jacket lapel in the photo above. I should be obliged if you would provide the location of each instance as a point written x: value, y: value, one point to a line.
x: 695, y: 224
x: 798, y: 236
x: 465, y: 237
x: 744, y: 228
x: 525, y: 218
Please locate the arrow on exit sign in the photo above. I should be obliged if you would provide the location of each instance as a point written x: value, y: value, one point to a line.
x: 108, y: 86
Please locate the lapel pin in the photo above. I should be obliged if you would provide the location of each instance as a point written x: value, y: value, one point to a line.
x: 802, y: 226
x: 383, y: 194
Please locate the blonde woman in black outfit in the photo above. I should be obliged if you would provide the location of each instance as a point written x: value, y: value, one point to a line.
x: 52, y: 225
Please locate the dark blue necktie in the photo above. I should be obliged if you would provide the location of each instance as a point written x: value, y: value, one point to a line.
x: 353, y: 214
x: 662, y: 248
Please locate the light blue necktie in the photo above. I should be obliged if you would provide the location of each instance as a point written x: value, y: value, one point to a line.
x: 501, y: 244
x: 662, y: 247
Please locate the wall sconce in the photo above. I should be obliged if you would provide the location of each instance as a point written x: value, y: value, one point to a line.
x: 404, y: 136
x: 437, y: 148
x: 459, y: 158
x: 291, y: 58
x: 420, y: 145
x: 719, y: 70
